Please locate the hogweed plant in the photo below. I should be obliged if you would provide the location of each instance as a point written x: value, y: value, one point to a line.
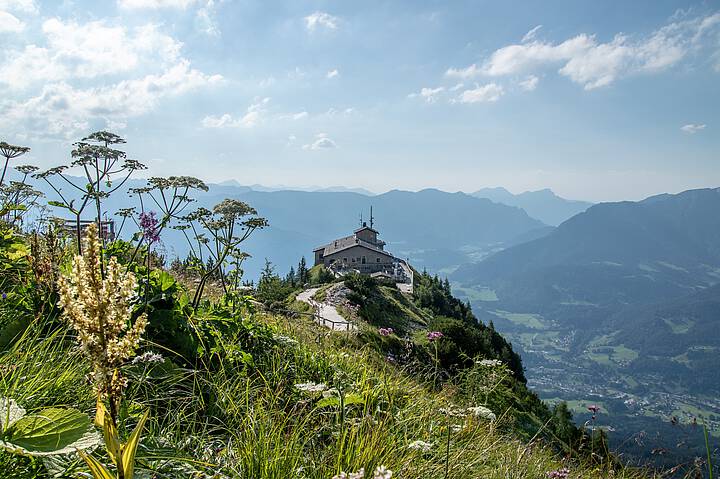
x: 100, y: 310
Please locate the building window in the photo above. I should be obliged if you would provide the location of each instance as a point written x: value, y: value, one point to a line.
x: 353, y: 260
x: 378, y: 260
x: 344, y: 260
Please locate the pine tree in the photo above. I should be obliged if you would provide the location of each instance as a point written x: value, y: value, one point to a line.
x: 302, y: 272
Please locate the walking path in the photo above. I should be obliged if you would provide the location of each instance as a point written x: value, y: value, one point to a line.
x: 406, y: 287
x: 325, y: 314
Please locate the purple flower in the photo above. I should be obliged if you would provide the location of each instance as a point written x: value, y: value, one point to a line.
x: 385, y: 331
x: 149, y: 225
x: 4, y: 296
x: 558, y: 473
x: 434, y: 335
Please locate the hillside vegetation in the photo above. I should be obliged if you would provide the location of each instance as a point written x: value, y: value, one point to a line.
x: 186, y: 374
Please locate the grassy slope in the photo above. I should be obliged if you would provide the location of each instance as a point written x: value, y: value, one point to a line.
x: 256, y: 424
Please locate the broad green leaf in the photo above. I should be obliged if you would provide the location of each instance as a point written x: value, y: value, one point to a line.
x: 9, y: 413
x: 129, y: 449
x: 112, y: 439
x: 96, y: 468
x: 333, y: 401
x: 51, y: 431
x: 354, y: 398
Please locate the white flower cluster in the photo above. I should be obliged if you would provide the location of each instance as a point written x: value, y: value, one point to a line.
x: 148, y: 358
x: 381, y: 472
x: 100, y: 310
x: 420, y: 446
x: 311, y: 387
x: 483, y: 412
x: 489, y: 363
x: 285, y: 340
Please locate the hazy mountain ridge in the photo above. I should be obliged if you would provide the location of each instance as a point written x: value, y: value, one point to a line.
x: 543, y: 204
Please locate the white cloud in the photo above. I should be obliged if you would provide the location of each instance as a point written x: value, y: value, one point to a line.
x: 155, y: 4
x: 480, y: 94
x: 61, y: 109
x: 529, y: 83
x: 252, y: 117
x: 430, y: 95
x: 592, y: 63
x: 9, y: 23
x: 692, y: 128
x: 23, y: 6
x: 464, y: 73
x: 321, y: 19
x: 531, y: 34
x: 333, y: 73
x: 86, y: 51
x: 299, y: 116
x: 322, y: 142
x: 205, y: 20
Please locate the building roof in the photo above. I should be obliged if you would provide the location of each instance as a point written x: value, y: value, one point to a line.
x: 366, y: 227
x: 349, y: 242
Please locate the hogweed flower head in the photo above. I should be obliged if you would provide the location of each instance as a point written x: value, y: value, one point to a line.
x: 99, y: 310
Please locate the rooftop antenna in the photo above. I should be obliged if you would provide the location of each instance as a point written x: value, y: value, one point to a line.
x: 372, y: 218
x: 361, y: 220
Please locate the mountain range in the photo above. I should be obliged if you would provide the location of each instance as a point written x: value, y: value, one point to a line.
x: 543, y: 204
x: 618, y: 305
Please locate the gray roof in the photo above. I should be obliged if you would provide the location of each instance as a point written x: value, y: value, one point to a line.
x: 349, y: 242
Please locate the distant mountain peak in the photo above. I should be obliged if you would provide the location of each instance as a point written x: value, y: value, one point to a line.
x: 541, y: 204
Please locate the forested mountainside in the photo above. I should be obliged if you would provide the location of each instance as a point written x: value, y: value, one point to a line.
x: 627, y: 292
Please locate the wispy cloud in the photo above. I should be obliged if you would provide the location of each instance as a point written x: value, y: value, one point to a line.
x: 155, y: 4
x: 333, y: 73
x: 318, y: 20
x: 531, y: 34
x: 482, y: 94
x: 530, y: 83
x: 252, y: 117
x: 430, y: 95
x: 322, y: 142
x: 21, y: 6
x: 693, y: 128
x: 9, y: 23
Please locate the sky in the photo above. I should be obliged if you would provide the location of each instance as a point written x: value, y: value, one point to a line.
x: 599, y: 101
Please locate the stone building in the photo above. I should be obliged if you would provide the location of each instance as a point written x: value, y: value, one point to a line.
x: 362, y: 251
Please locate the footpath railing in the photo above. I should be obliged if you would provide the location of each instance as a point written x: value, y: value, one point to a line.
x: 326, y: 322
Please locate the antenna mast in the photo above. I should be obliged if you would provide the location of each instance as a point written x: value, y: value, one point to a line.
x: 372, y: 218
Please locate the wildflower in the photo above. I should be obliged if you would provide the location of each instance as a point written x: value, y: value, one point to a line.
x: 381, y: 472
x: 434, y: 335
x: 489, y: 363
x: 420, y: 446
x: 311, y: 387
x: 385, y: 331
x: 453, y: 412
x: 100, y: 309
x: 483, y: 412
x: 558, y: 473
x: 149, y: 225
x: 148, y: 358
x: 353, y: 475
x: 285, y: 340
x: 4, y: 296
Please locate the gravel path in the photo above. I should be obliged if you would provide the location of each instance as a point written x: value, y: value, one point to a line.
x: 325, y: 311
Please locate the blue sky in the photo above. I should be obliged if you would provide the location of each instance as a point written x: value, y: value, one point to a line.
x: 596, y: 100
